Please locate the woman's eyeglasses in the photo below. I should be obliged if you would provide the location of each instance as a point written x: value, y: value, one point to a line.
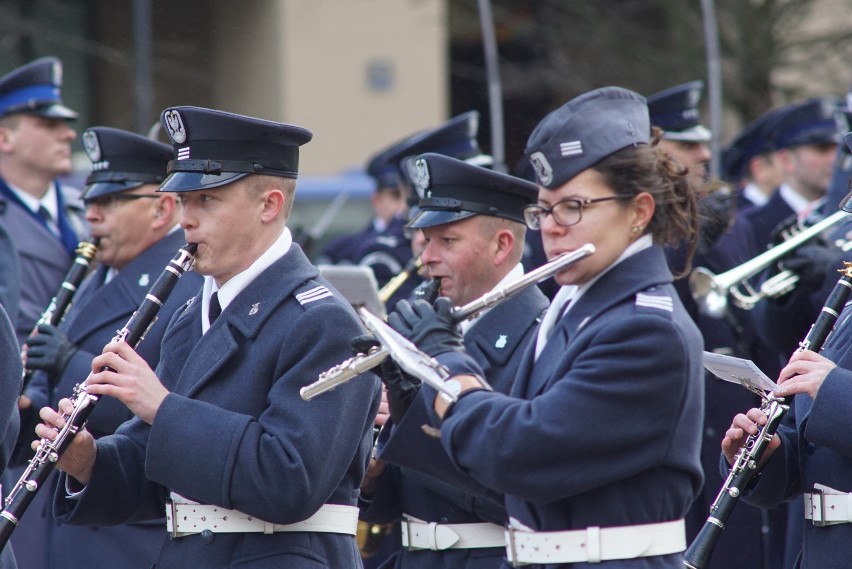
x: 565, y: 212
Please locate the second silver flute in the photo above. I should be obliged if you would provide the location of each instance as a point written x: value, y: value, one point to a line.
x: 361, y: 363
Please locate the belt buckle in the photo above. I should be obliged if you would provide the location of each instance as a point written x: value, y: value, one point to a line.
x: 511, y: 549
x: 818, y: 495
x: 405, y: 530
x: 172, y: 512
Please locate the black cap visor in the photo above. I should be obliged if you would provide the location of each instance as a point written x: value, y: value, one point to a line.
x: 433, y: 218
x: 191, y: 181
x: 98, y: 189
x: 53, y: 111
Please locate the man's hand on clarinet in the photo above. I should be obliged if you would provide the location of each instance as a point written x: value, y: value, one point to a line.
x: 804, y: 373
x: 78, y: 459
x: 122, y: 373
x: 742, y: 426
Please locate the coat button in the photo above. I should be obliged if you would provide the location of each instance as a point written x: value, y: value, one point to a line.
x: 207, y: 537
x: 443, y: 520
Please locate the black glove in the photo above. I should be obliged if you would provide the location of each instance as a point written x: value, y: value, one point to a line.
x: 401, y: 387
x: 49, y: 350
x: 812, y: 262
x: 433, y: 330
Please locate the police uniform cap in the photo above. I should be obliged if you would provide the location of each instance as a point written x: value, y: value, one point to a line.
x: 753, y: 140
x: 454, y: 190
x: 35, y: 89
x: 584, y: 131
x: 122, y: 160
x: 456, y: 138
x: 383, y: 168
x: 806, y: 122
x: 675, y: 111
x: 213, y: 148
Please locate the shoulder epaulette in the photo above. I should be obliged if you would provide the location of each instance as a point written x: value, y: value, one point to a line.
x: 655, y: 301
x: 313, y: 294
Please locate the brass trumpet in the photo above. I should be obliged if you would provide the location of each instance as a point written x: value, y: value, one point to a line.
x: 711, y: 291
x: 348, y: 369
x: 411, y: 268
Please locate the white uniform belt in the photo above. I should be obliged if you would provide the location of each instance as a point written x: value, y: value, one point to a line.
x: 418, y: 534
x: 189, y: 518
x: 827, y: 506
x: 594, y: 544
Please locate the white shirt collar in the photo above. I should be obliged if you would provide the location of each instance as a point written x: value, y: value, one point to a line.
x: 798, y: 203
x: 754, y: 194
x: 48, y: 200
x: 567, y: 295
x: 237, y: 283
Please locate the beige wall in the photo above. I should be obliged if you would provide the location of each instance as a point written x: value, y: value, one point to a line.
x: 826, y: 72
x: 307, y: 61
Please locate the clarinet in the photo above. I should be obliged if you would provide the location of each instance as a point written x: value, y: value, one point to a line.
x: 61, y: 302
x: 745, y: 465
x: 48, y: 453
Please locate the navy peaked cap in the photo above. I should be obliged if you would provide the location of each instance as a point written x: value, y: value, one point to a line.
x: 807, y: 122
x: 122, y: 160
x: 36, y: 89
x: 456, y: 138
x: 213, y: 148
x: 453, y: 189
x: 675, y: 111
x: 584, y: 131
x: 754, y: 139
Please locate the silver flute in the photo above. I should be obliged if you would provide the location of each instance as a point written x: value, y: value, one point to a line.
x: 354, y: 366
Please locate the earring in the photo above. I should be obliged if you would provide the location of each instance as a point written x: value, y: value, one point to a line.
x: 636, y: 230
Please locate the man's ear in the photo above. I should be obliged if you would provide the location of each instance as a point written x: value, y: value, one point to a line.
x: 273, y: 204
x: 505, y: 244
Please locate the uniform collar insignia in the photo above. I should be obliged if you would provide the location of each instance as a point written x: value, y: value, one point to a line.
x: 254, y: 308
x: 144, y: 279
x: 501, y: 342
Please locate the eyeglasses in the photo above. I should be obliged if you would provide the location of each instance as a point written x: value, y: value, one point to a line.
x: 109, y: 200
x: 565, y: 212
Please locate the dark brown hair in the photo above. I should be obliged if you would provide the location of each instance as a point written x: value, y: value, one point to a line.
x: 648, y: 168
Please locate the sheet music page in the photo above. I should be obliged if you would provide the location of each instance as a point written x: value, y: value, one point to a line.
x: 738, y: 370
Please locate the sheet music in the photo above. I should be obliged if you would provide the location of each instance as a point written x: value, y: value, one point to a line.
x: 738, y: 370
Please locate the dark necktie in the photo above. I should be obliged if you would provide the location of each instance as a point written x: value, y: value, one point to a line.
x: 214, y: 310
x: 44, y: 214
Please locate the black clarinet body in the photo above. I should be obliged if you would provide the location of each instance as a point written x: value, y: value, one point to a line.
x: 61, y: 302
x: 748, y: 458
x: 43, y: 463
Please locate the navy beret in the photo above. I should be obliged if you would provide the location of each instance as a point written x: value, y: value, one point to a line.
x: 35, y: 88
x: 453, y: 189
x: 584, y: 131
x: 213, y: 148
x: 806, y: 122
x: 675, y: 111
x: 122, y: 160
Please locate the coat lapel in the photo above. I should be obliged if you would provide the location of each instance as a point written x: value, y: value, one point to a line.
x: 645, y: 269
x: 241, y: 320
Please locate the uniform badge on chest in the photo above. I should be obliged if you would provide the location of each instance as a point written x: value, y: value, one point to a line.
x: 144, y: 279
